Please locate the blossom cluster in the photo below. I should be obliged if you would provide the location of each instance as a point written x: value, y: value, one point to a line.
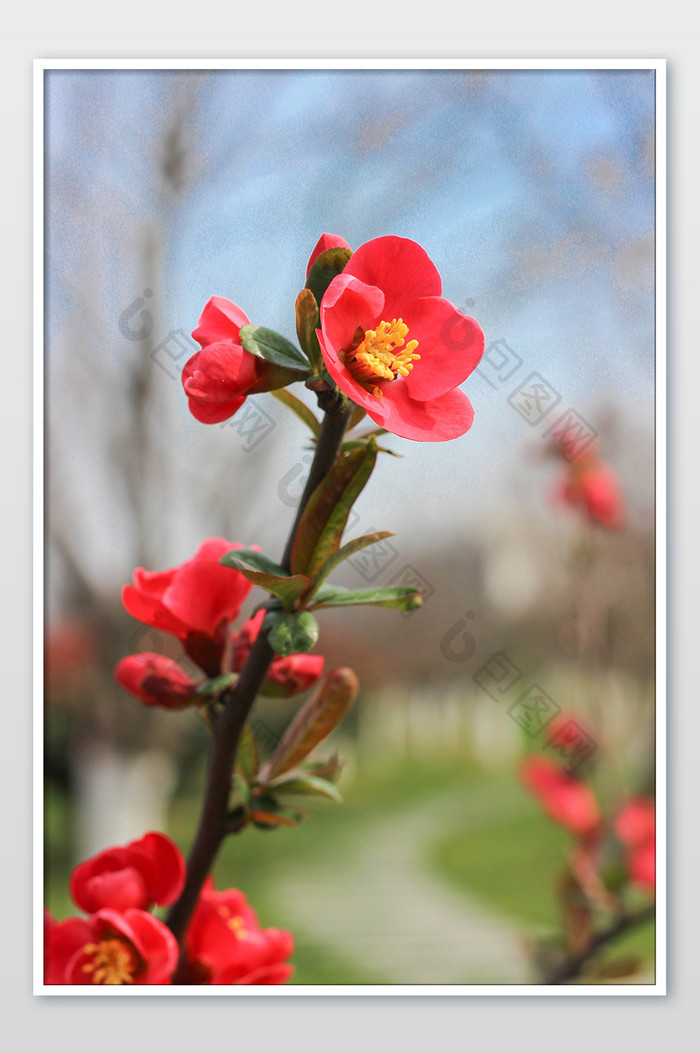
x: 121, y: 942
x: 628, y: 836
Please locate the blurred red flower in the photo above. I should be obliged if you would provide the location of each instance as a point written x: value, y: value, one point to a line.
x: 389, y: 293
x: 225, y: 945
x: 286, y: 676
x: 595, y: 488
x: 144, y: 873
x: 110, y: 948
x: 567, y: 800
x: 218, y: 378
x: 156, y: 680
x: 635, y: 826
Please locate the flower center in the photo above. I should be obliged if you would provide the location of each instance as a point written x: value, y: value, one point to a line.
x: 113, y: 962
x: 380, y: 354
x: 235, y: 922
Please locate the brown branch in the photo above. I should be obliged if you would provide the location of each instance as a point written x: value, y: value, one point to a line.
x: 572, y: 966
x: 213, y: 822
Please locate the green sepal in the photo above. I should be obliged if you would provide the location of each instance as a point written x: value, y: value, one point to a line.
x: 401, y: 597
x: 263, y: 571
x: 323, y: 520
x: 325, y: 268
x: 273, y: 347
x: 244, y: 791
x: 290, y: 633
x: 306, y: 312
x: 216, y: 685
x: 302, y: 783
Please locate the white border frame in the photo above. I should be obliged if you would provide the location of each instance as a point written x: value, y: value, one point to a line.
x: 41, y: 66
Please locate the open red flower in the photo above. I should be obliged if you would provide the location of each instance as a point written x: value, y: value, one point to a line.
x: 218, y: 378
x: 566, y: 799
x: 156, y: 680
x: 110, y: 948
x: 145, y: 873
x: 225, y: 945
x: 395, y: 346
x: 194, y: 601
x: 286, y: 676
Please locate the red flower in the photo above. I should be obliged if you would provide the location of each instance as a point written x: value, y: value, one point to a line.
x: 225, y: 945
x: 110, y: 948
x: 144, y: 873
x: 635, y: 827
x: 325, y: 242
x: 393, y: 344
x: 156, y: 680
x: 596, y: 489
x: 218, y: 378
x: 194, y: 601
x: 566, y: 799
x: 286, y: 676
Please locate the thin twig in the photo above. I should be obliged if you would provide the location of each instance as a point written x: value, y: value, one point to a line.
x: 572, y: 966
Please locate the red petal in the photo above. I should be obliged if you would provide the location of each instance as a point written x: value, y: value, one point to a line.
x: 214, y: 412
x: 399, y: 267
x: 162, y: 864
x: 450, y: 345
x: 220, y: 320
x: 347, y: 306
x: 443, y: 418
x: 203, y: 592
x: 222, y: 372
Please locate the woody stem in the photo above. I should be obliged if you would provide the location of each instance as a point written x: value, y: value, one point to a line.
x: 212, y: 827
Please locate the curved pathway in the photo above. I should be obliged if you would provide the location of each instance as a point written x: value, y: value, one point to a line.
x: 385, y: 909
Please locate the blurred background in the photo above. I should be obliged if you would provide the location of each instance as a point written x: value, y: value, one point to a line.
x: 533, y: 192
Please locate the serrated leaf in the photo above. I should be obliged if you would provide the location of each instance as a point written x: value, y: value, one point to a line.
x: 313, y: 722
x: 273, y: 347
x: 356, y: 545
x: 290, y: 633
x: 247, y: 758
x: 299, y: 408
x: 306, y: 312
x: 323, y: 520
x: 264, y: 572
x: 326, y: 266
x: 303, y: 784
x: 401, y: 597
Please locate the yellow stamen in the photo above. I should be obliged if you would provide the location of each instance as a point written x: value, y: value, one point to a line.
x: 381, y: 355
x: 237, y: 925
x: 113, y: 962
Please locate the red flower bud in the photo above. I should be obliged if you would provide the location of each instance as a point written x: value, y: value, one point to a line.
x: 326, y: 241
x: 635, y: 827
x: 156, y: 680
x: 218, y: 378
x: 144, y: 873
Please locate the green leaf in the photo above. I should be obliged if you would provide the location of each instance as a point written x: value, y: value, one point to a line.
x: 261, y: 570
x: 306, y: 311
x: 344, y: 553
x: 270, y: 820
x: 273, y: 347
x: 325, y: 268
x: 216, y: 685
x: 313, y: 722
x: 247, y: 759
x: 300, y: 408
x: 301, y: 784
x: 291, y: 633
x: 323, y: 520
x: 358, y: 413
x: 328, y: 769
x: 402, y: 597
x: 243, y: 789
